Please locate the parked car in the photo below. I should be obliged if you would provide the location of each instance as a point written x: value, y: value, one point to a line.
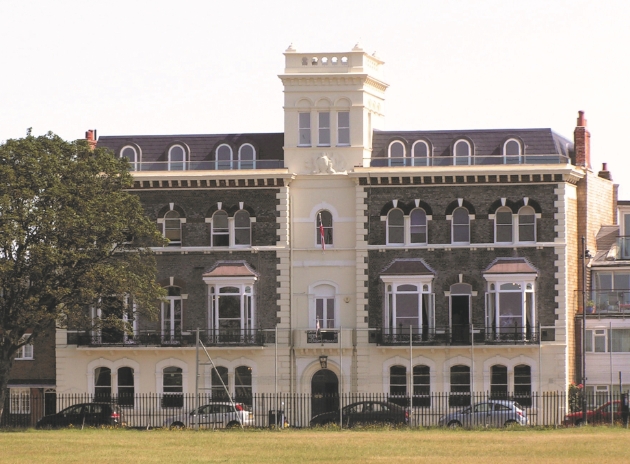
x: 601, y: 415
x: 364, y: 412
x: 489, y: 414
x: 84, y: 414
x: 214, y: 415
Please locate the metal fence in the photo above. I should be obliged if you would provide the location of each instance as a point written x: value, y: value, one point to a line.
x: 297, y: 410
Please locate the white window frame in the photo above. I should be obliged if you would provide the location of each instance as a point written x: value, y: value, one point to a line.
x: 326, y: 228
x: 163, y: 221
x: 406, y: 226
x: 416, y: 158
x: 452, y: 219
x: 236, y: 228
x: 389, y: 226
x: 247, y: 316
x: 168, y: 329
x: 396, y: 160
x: 224, y: 164
x: 456, y: 157
x: 183, y: 162
x: 246, y: 164
x: 224, y: 231
x: 426, y: 227
x: 518, y: 226
x: 520, y: 151
x: 25, y: 352
x: 505, y: 226
x: 135, y: 162
x: 19, y: 400
x: 97, y: 314
x: 392, y: 288
x: 304, y: 129
x: 493, y: 302
x: 343, y: 131
x: 324, y: 291
x: 323, y: 129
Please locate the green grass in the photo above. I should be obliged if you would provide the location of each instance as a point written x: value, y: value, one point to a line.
x: 601, y: 445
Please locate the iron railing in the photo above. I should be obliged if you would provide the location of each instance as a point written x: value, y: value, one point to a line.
x: 216, y: 337
x: 297, y: 410
x: 459, y: 335
x: 468, y: 160
x: 205, y: 165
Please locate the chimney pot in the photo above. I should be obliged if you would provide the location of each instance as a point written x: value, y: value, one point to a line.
x: 581, y: 119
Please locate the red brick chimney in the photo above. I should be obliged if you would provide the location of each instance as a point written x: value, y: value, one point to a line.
x: 90, y: 136
x: 582, y: 142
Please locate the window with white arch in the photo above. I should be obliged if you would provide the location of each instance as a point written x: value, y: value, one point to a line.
x: 325, y: 314
x: 224, y: 157
x: 420, y: 153
x: 246, y: 156
x: 396, y: 153
x: 503, y: 232
x: 462, y: 153
x: 408, y: 229
x: 131, y: 154
x: 526, y: 225
x: 460, y: 225
x: 395, y: 227
x: 172, y: 387
x: 512, y: 152
x: 176, y: 158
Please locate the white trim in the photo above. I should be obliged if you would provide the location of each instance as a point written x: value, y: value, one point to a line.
x: 312, y: 297
x: 174, y: 362
x: 113, y: 366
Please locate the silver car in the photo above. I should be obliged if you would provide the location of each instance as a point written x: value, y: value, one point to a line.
x: 490, y: 414
x: 214, y: 415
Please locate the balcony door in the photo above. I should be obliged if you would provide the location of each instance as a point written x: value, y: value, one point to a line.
x: 460, y: 314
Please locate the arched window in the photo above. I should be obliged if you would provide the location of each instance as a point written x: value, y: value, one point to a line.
x: 325, y: 220
x: 498, y: 382
x: 173, y: 228
x: 512, y: 152
x: 503, y: 225
x: 420, y: 153
x: 460, y: 386
x: 219, y: 383
x: 243, y: 385
x: 246, y: 156
x: 395, y: 227
x: 172, y: 316
x: 418, y: 226
x: 462, y: 152
x: 172, y: 387
x: 242, y: 229
x: 220, y: 229
x: 102, y: 384
x: 126, y: 389
x: 422, y: 386
x: 526, y: 224
x: 176, y: 158
x: 224, y: 156
x: 523, y: 384
x: 461, y: 226
x: 131, y: 154
x: 396, y: 153
x: 398, y: 381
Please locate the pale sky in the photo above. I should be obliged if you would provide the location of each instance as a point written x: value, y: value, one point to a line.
x: 157, y: 67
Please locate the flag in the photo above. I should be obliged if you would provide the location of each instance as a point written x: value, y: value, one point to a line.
x: 321, y: 232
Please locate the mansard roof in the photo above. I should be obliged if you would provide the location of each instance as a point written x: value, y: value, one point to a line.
x: 201, y: 147
x: 487, y: 142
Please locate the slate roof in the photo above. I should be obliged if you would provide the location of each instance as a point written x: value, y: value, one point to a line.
x: 511, y: 266
x: 407, y: 266
x: 487, y: 142
x: 201, y: 147
x: 231, y: 269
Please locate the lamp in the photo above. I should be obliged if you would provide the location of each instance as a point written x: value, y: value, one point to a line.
x: 585, y: 255
x: 323, y: 361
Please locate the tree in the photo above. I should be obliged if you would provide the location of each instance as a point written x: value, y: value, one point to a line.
x: 71, y: 237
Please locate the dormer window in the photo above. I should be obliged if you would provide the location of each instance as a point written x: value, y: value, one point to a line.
x: 512, y: 152
x: 246, y: 156
x: 176, y: 158
x: 224, y: 156
x: 396, y: 153
x: 131, y: 154
x: 462, y: 152
x: 420, y: 153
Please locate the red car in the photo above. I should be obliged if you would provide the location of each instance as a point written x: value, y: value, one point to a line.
x: 600, y: 415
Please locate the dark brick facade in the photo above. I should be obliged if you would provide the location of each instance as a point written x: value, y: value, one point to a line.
x: 41, y: 370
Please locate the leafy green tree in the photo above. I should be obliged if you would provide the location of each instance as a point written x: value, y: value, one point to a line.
x: 71, y: 237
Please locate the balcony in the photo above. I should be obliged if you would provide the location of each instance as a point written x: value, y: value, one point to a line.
x: 253, y: 337
x: 609, y: 303
x: 466, y: 161
x: 462, y: 335
x: 153, y: 166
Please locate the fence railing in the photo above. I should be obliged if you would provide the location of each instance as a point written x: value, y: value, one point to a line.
x: 463, y: 334
x: 298, y: 410
x: 468, y: 160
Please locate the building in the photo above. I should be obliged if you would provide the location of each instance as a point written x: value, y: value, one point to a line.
x: 336, y: 256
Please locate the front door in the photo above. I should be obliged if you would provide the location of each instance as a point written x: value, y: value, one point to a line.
x: 324, y: 392
x: 460, y: 319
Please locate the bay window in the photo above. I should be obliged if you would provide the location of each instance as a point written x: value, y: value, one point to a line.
x: 510, y: 307
x: 409, y: 306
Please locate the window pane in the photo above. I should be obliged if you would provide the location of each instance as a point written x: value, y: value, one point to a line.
x: 620, y: 340
x: 246, y: 153
x: 420, y: 150
x: 304, y: 129
x: 512, y: 148
x: 343, y: 128
x: 397, y: 150
x: 324, y: 129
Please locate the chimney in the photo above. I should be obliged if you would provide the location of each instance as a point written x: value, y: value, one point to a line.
x: 605, y: 173
x: 582, y: 142
x: 90, y: 136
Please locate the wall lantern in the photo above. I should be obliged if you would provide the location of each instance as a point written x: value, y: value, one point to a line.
x: 323, y: 361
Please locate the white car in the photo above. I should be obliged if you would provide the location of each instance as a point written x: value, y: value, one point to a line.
x: 214, y: 415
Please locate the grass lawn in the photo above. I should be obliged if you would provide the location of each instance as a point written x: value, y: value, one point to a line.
x: 600, y: 445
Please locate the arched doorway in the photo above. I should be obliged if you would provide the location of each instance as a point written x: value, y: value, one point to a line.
x: 460, y: 314
x: 324, y: 392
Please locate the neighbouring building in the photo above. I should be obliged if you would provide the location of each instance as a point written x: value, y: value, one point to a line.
x: 337, y: 256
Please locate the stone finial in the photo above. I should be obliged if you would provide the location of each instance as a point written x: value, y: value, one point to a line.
x: 290, y: 48
x: 357, y: 47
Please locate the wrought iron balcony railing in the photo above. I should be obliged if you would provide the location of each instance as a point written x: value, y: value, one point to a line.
x: 250, y: 337
x: 458, y: 335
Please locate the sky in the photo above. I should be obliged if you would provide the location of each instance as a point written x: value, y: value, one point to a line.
x: 203, y: 67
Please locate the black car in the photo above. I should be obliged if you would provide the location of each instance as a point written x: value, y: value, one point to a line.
x: 83, y: 414
x: 364, y: 412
